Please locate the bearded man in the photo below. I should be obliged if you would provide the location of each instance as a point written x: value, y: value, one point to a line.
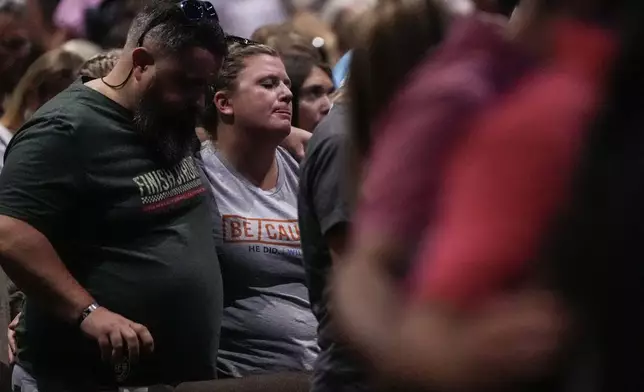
x: 104, y: 220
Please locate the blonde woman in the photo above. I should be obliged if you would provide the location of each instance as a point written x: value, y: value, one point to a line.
x: 267, y: 326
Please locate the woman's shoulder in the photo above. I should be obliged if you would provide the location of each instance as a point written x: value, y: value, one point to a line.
x: 289, y: 162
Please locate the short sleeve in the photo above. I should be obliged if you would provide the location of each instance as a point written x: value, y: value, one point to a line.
x: 323, y: 178
x: 39, y: 183
x: 217, y: 232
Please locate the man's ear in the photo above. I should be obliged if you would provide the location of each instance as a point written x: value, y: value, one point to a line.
x: 142, y: 60
x: 223, y: 103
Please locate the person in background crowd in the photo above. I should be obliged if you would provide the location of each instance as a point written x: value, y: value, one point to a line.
x: 341, y: 70
x: 342, y: 16
x: 267, y: 325
x: 100, y: 65
x: 324, y: 210
x: 318, y: 33
x: 285, y: 40
x: 108, y: 24
x: 104, y: 222
x: 70, y: 15
x: 42, y: 29
x: 311, y: 85
x: 15, y: 44
x: 81, y: 47
x: 242, y: 17
x: 53, y: 72
x: 263, y: 32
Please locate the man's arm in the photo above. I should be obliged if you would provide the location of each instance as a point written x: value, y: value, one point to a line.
x: 295, y: 143
x: 31, y: 261
x: 40, y: 186
x: 323, y: 175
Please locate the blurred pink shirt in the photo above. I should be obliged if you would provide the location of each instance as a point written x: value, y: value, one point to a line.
x: 510, y: 178
x: 418, y: 130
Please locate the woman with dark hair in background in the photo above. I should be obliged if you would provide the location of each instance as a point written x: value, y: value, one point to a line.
x: 311, y: 85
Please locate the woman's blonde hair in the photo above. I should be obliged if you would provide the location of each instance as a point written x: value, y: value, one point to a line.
x: 51, y: 73
x: 101, y: 64
x: 231, y: 67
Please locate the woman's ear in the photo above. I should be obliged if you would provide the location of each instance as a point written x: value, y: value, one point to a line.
x: 223, y: 103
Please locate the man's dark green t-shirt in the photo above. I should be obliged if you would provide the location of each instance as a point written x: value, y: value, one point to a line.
x: 137, y: 236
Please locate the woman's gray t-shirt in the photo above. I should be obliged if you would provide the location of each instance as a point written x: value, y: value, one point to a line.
x: 267, y: 324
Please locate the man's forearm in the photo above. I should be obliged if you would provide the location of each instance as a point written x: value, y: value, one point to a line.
x: 32, y: 263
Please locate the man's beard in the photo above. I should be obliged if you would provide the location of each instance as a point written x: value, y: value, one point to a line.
x: 169, y: 134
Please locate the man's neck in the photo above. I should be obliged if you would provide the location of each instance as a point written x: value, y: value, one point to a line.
x: 122, y: 94
x: 255, y: 161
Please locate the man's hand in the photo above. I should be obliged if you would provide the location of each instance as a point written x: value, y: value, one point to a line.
x: 11, y: 335
x: 115, y: 333
x: 296, y: 142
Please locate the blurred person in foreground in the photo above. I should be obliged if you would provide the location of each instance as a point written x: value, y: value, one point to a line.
x: 324, y: 200
x: 267, y: 325
x: 113, y: 243
x: 526, y: 142
x: 312, y: 86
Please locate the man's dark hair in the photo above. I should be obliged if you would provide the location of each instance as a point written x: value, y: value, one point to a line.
x: 164, y: 23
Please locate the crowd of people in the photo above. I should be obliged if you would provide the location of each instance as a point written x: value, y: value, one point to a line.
x: 320, y: 195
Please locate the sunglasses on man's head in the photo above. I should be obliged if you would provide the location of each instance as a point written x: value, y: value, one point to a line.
x: 233, y: 39
x: 193, y: 11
